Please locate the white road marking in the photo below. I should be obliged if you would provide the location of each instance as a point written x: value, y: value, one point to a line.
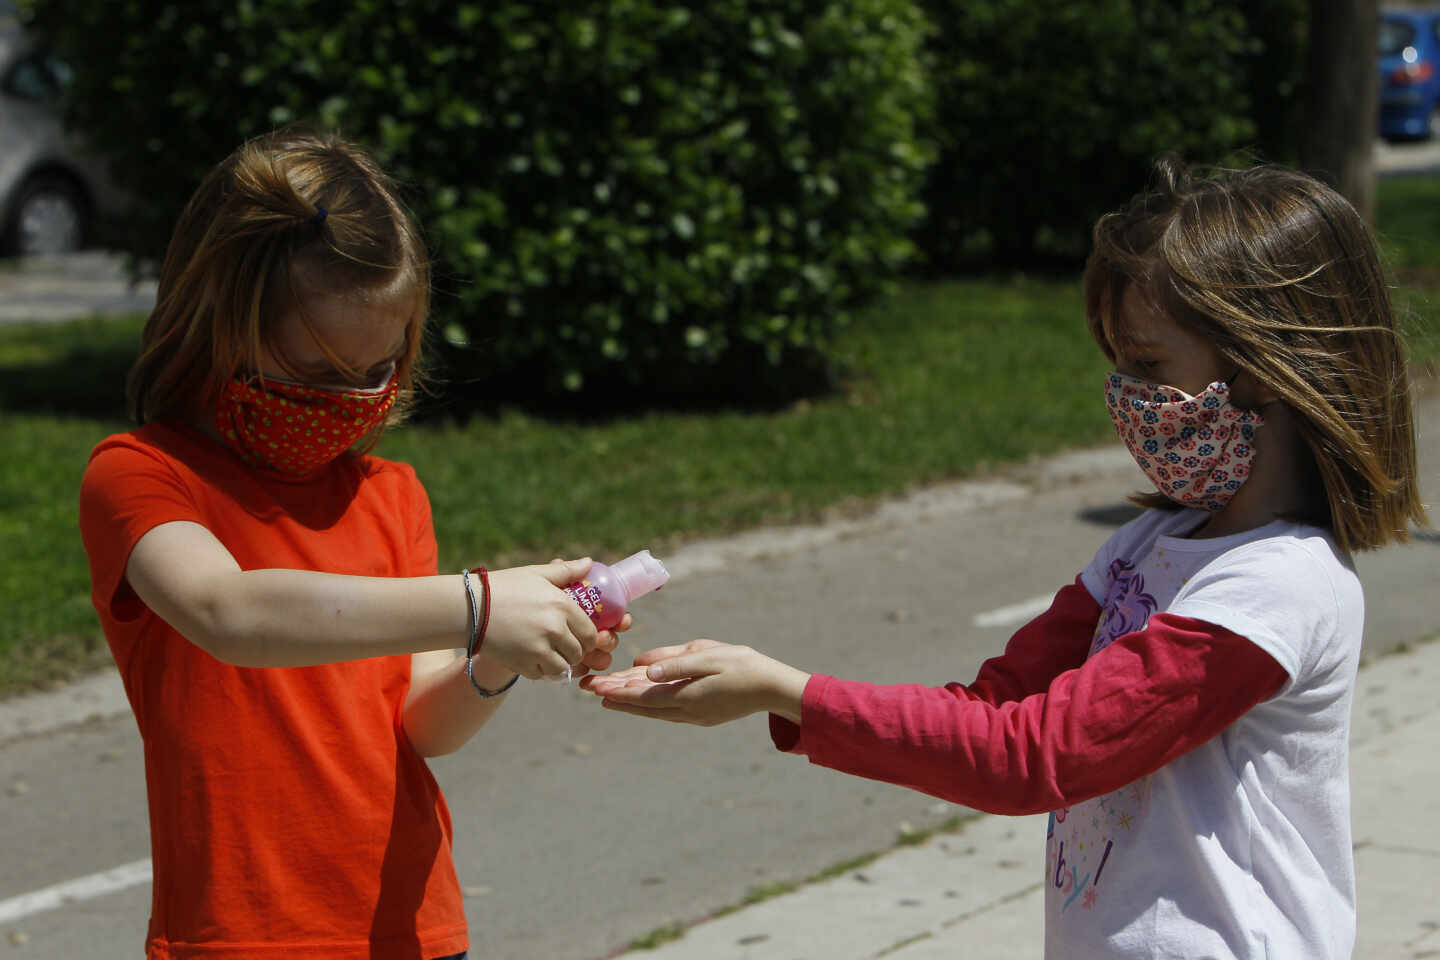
x: 1015, y: 613
x: 72, y: 891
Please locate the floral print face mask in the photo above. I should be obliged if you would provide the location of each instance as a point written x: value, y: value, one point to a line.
x: 295, y: 429
x: 1196, y: 450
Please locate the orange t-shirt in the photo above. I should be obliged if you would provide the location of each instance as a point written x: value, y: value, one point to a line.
x: 289, y: 814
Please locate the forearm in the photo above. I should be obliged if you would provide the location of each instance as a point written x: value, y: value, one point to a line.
x: 295, y: 618
x: 1144, y: 700
x: 942, y: 742
x: 443, y: 710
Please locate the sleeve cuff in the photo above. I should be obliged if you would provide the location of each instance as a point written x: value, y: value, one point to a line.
x: 790, y: 737
x: 784, y: 734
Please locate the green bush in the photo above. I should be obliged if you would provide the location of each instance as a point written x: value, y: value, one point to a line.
x: 628, y: 190
x: 1050, y: 114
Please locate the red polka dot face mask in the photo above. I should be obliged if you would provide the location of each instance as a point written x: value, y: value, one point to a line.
x: 295, y: 429
x: 1196, y: 450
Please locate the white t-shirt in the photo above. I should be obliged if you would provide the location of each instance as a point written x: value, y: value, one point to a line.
x: 1240, y: 848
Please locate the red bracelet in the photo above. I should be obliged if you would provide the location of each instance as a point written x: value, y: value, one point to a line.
x: 485, y: 613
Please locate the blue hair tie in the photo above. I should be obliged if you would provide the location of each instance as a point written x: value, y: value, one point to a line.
x: 320, y: 214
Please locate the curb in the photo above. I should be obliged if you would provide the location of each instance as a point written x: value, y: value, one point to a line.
x: 95, y: 698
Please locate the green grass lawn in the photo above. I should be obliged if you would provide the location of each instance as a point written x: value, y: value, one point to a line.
x: 944, y: 379
x: 1408, y: 214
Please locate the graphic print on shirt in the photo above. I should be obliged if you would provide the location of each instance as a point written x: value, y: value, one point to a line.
x: 1127, y: 606
x: 1081, y: 842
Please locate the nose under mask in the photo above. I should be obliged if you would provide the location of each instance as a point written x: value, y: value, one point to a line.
x: 1196, y: 450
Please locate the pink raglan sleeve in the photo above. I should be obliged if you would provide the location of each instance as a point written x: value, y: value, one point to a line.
x: 1056, y: 641
x: 1147, y: 698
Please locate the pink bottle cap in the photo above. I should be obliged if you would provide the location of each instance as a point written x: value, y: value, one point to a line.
x: 640, y: 573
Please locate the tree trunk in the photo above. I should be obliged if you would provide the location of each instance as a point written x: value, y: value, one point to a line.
x: 1342, y: 103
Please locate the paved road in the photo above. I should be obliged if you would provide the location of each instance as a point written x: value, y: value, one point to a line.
x: 579, y: 830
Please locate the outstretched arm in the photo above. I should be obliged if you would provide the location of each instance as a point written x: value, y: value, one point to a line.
x: 291, y: 618
x: 703, y: 682
x: 1056, y: 641
x: 1146, y: 699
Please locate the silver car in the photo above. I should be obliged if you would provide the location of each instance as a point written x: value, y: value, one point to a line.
x: 50, y: 192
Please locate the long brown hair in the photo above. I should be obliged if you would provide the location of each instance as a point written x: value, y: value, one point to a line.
x: 1283, y: 276
x: 250, y: 242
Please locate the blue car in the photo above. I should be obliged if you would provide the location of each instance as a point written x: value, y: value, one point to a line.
x: 1409, y: 74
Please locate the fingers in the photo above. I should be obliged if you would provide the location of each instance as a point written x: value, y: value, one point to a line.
x: 533, y: 622
x: 644, y: 693
x: 667, y: 653
x: 689, y: 666
x: 594, y: 660
x: 552, y: 665
x: 562, y: 573
x: 540, y: 667
x: 661, y: 653
x: 634, y: 687
x: 655, y: 713
x: 569, y: 650
x: 580, y: 626
x: 619, y: 677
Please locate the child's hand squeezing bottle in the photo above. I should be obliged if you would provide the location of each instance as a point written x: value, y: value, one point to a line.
x: 606, y: 591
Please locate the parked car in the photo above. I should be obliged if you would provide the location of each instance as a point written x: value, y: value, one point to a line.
x: 50, y: 191
x: 1409, y: 74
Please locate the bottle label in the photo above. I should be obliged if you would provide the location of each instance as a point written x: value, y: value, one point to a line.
x: 588, y: 596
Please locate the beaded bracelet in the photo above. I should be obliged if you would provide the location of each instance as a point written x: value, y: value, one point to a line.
x: 487, y: 694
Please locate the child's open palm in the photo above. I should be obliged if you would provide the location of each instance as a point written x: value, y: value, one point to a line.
x: 703, y: 682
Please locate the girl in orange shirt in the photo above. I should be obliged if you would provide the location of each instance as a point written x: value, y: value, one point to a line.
x: 242, y: 528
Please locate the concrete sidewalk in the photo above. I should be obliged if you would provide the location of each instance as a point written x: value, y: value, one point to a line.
x: 977, y: 893
x: 70, y: 286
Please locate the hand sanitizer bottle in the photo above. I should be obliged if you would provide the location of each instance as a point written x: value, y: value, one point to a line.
x: 606, y: 591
